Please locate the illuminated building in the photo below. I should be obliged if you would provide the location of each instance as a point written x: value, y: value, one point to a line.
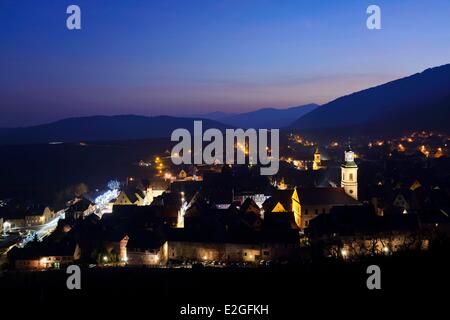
x: 317, y: 162
x: 306, y: 204
x: 282, y: 185
x: 349, y: 174
x: 135, y: 197
x: 182, y: 175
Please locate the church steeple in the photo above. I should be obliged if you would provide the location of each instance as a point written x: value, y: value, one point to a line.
x: 349, y: 173
x: 317, y: 163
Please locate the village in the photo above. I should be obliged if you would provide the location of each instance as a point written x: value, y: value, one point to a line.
x: 342, y: 200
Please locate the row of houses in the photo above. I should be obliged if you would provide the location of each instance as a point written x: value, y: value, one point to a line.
x: 232, y: 215
x: 349, y: 232
x: 29, y: 216
x: 149, y: 236
x: 147, y: 249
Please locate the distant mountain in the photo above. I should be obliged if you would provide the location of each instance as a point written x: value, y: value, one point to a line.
x: 96, y: 128
x: 417, y: 102
x: 267, y: 118
x: 216, y: 115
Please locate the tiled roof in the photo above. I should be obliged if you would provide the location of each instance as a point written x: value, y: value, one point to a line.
x: 325, y: 196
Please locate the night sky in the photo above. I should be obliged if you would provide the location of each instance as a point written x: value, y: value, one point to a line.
x: 189, y: 57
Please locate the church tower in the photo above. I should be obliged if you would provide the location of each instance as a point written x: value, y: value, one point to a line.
x: 317, y: 163
x: 349, y: 174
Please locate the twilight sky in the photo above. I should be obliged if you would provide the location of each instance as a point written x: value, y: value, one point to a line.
x: 196, y: 56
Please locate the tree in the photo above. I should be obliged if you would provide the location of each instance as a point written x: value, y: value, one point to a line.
x: 80, y: 189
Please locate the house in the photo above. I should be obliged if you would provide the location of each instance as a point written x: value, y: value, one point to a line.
x: 251, y: 214
x: 281, y: 207
x: 279, y: 201
x: 356, y: 231
x: 232, y: 247
x: 182, y: 175
x: 250, y: 206
x: 36, y: 216
x: 307, y: 203
x: 203, y: 214
x: 146, y: 249
x: 15, y: 222
x: 100, y: 240
x: 33, y: 215
x: 42, y: 256
x: 80, y: 209
x: 133, y: 197
x: 315, y: 201
x: 257, y: 197
x: 142, y: 216
x: 115, y: 246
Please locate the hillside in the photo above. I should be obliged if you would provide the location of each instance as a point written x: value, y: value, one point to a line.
x: 417, y: 102
x: 97, y: 128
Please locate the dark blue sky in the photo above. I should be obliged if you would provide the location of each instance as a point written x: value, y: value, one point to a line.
x: 188, y: 57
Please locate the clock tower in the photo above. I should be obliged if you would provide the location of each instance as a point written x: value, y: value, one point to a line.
x: 349, y: 174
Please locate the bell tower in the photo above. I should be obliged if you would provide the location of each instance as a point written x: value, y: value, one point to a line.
x: 349, y: 174
x: 317, y: 163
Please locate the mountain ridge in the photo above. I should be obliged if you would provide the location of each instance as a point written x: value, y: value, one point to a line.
x: 101, y: 127
x: 267, y: 118
x: 396, y: 104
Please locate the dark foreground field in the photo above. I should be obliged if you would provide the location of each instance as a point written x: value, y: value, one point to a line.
x: 409, y: 284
